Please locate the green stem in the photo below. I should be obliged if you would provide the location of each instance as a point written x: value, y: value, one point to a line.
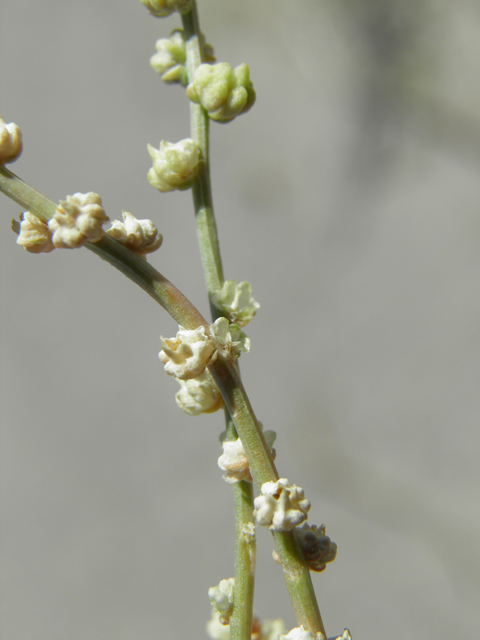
x: 201, y: 188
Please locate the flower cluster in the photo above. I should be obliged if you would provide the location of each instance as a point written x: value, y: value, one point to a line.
x: 281, y: 506
x: 317, y: 547
x: 222, y: 91
x: 199, y: 395
x: 163, y: 8
x: 140, y: 236
x: 76, y: 220
x: 221, y: 598
x: 10, y: 142
x: 261, y: 629
x: 236, y: 302
x: 34, y: 236
x: 234, y: 459
x: 187, y: 355
x: 300, y: 633
x: 175, y: 165
x: 169, y: 61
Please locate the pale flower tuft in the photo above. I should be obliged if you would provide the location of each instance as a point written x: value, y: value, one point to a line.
x: 77, y: 220
x: 236, y: 302
x: 175, y: 165
x: 230, y: 337
x: 34, y: 235
x: 221, y: 598
x: 140, y: 236
x: 300, y: 633
x: 199, y: 395
x: 10, y: 142
x: 234, y: 459
x: 281, y: 506
x: 187, y: 355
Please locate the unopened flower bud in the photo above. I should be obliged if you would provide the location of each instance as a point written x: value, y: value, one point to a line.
x: 163, y: 8
x: 34, y: 235
x: 199, y: 395
x: 169, y: 61
x: 10, y: 142
x: 175, y: 165
x: 76, y: 220
x: 222, y: 91
x: 317, y: 547
x: 281, y: 506
x: 236, y: 302
x: 187, y: 355
x: 221, y: 598
x: 138, y: 235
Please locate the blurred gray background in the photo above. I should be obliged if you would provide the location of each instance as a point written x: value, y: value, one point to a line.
x: 349, y: 196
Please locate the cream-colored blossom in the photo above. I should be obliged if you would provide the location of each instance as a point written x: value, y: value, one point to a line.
x: 300, y: 633
x: 175, y: 165
x: 10, y: 142
x: 138, y: 235
x: 34, y: 235
x: 76, y: 220
x: 163, y: 8
x: 317, y: 547
x: 230, y: 337
x: 169, y: 61
x: 187, y: 355
x: 234, y: 460
x: 345, y: 636
x: 236, y: 302
x: 215, y: 629
x: 222, y: 91
x: 221, y: 598
x: 281, y: 506
x: 199, y: 395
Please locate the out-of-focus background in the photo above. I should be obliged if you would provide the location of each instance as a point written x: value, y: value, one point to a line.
x: 349, y: 196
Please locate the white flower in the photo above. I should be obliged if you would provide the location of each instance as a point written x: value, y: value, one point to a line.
x: 139, y: 235
x: 10, y: 142
x: 221, y: 598
x: 187, y: 355
x: 222, y: 91
x: 234, y: 459
x: 76, y: 220
x: 300, y: 633
x: 199, y: 395
x: 345, y: 636
x: 175, y: 165
x: 163, y: 8
x: 235, y: 300
x: 215, y: 629
x: 317, y: 547
x: 230, y: 337
x: 281, y: 506
x: 34, y: 234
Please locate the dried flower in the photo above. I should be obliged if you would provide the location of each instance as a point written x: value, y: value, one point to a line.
x: 222, y: 91
x: 317, y: 547
x: 138, y: 235
x: 175, y: 165
x: 34, y: 235
x: 234, y: 459
x: 300, y: 633
x: 169, y: 61
x: 281, y: 506
x: 187, y: 355
x: 10, y: 142
x: 163, y: 8
x: 230, y: 337
x: 76, y: 220
x: 236, y: 302
x: 199, y: 395
x: 221, y: 598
